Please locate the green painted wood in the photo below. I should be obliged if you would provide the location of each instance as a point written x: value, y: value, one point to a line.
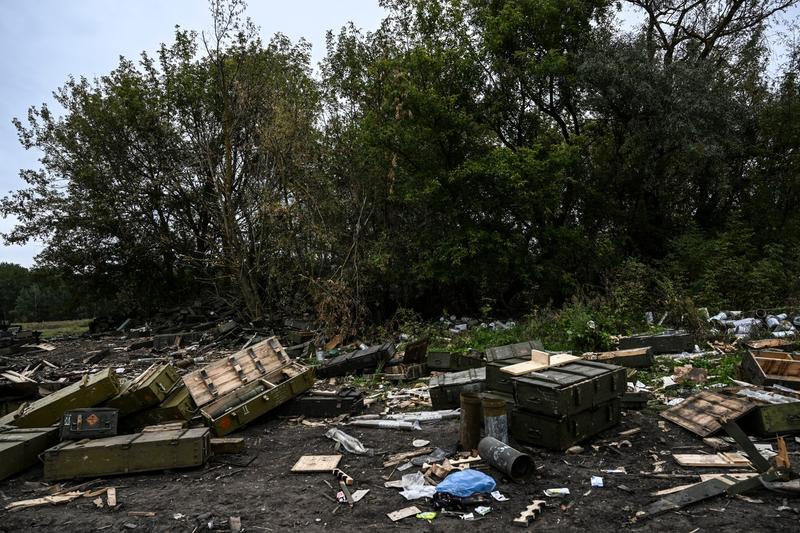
x: 148, y: 390
x: 20, y: 448
x: 559, y: 433
x: 125, y: 454
x: 90, y: 391
x: 247, y: 403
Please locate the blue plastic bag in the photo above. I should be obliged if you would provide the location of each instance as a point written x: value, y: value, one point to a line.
x: 466, y: 483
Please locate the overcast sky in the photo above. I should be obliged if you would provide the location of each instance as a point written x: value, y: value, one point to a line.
x: 44, y: 41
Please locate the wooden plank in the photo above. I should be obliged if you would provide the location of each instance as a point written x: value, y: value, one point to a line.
x: 529, y: 513
x: 769, y: 343
x: 532, y: 366
x: 317, y: 463
x: 404, y: 513
x: 259, y: 360
x: 779, y: 369
x: 719, y: 460
x: 702, y: 414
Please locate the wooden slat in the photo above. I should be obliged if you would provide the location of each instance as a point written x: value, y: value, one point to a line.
x: 778, y: 369
x: 533, y: 366
x: 226, y: 377
x: 702, y: 414
x: 719, y: 460
x: 630, y: 352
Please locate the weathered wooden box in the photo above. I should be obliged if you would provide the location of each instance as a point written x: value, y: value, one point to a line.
x: 150, y: 388
x: 667, y: 342
x: 559, y: 433
x: 446, y: 389
x: 776, y: 413
x: 91, y: 390
x: 452, y: 361
x: 89, y: 423
x: 240, y: 407
x: 179, y: 405
x: 519, y: 350
x: 632, y: 358
x: 20, y: 448
x: 241, y: 368
x: 772, y: 367
x: 568, y: 389
x: 125, y: 454
x: 360, y: 360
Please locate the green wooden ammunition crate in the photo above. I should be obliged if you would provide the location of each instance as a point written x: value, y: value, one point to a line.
x: 20, y: 448
x: 150, y: 388
x: 499, y: 381
x: 179, y: 405
x: 559, y: 433
x: 452, y: 361
x: 91, y: 390
x: 772, y: 367
x: 446, y: 389
x: 240, y: 407
x: 127, y: 454
x: 513, y: 351
x: 570, y: 388
x: 777, y: 419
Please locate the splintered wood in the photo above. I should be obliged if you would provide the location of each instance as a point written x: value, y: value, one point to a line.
x: 703, y: 413
x: 529, y: 514
x: 403, y: 513
x: 317, y: 463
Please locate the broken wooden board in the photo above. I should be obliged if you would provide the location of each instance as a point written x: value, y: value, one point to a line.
x: 111, y: 496
x: 317, y: 463
x: 398, y: 458
x: 404, y: 513
x: 705, y: 477
x: 527, y: 367
x: 770, y: 343
x: 228, y: 374
x: 529, y: 514
x: 719, y: 460
x: 702, y: 414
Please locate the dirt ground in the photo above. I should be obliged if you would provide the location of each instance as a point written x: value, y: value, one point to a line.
x: 258, y: 487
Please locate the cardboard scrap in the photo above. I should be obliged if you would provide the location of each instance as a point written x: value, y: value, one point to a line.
x: 317, y: 463
x: 404, y: 513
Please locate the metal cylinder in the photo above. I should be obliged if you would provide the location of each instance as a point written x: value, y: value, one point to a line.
x: 495, y: 418
x: 761, y: 313
x: 470, y: 427
x: 772, y: 322
x: 515, y: 464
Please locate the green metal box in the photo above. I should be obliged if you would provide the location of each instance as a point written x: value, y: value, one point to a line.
x: 452, y: 361
x: 559, y: 433
x: 150, y: 388
x: 126, y: 454
x: 20, y: 448
x: 776, y: 413
x: 568, y: 389
x: 446, y: 389
x: 91, y: 390
x: 240, y: 407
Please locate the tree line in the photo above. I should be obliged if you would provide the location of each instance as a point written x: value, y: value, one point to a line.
x: 501, y: 155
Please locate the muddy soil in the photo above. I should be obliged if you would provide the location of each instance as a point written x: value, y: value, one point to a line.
x: 269, y: 498
x: 258, y: 487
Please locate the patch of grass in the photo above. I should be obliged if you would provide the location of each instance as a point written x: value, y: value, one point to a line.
x: 60, y: 327
x: 721, y: 370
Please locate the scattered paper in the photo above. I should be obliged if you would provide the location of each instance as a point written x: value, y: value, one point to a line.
x: 556, y: 492
x: 360, y: 493
x: 497, y: 495
x: 483, y: 510
x: 597, y: 481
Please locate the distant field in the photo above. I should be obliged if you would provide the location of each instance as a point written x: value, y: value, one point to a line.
x: 60, y: 327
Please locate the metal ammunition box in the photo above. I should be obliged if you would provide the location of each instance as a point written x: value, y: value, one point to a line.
x: 559, y: 433
x: 240, y: 407
x: 20, y: 448
x: 321, y: 404
x: 446, y: 389
x: 91, y: 390
x: 772, y: 367
x: 89, y: 423
x: 125, y: 454
x: 149, y: 389
x: 568, y: 389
